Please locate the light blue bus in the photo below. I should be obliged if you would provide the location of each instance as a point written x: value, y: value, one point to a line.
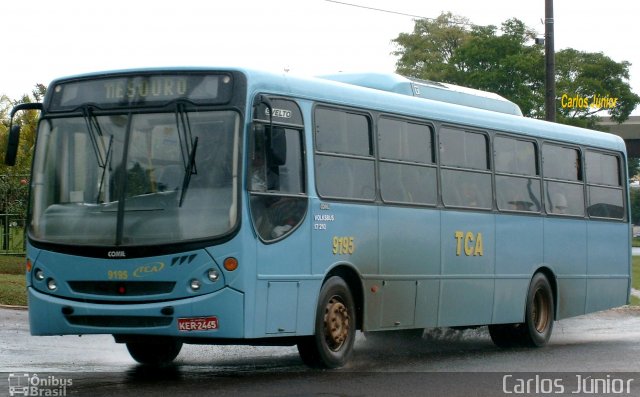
x: 233, y: 206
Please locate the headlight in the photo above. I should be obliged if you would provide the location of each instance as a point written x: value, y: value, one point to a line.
x: 51, y: 284
x: 213, y: 275
x: 194, y: 284
x: 39, y: 274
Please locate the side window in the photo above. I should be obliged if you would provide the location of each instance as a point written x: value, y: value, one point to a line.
x: 407, y: 164
x: 466, y: 177
x: 344, y: 160
x: 276, y: 178
x: 517, y: 176
x: 564, y: 191
x: 604, y: 184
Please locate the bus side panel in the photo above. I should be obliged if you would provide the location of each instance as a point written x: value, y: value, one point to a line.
x: 345, y: 234
x: 409, y: 254
x: 565, y: 251
x: 608, y: 266
x: 518, y: 251
x: 468, y: 266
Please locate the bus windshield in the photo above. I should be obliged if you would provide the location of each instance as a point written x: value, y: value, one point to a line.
x: 135, y: 179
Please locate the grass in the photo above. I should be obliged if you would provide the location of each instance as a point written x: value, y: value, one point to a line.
x: 12, y: 281
x: 12, y: 264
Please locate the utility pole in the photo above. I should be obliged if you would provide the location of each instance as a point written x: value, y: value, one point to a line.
x: 550, y: 64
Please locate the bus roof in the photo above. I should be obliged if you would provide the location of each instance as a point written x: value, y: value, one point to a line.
x: 443, y: 92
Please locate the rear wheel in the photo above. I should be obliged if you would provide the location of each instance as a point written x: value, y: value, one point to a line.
x: 158, y: 352
x: 335, y: 327
x: 539, y: 314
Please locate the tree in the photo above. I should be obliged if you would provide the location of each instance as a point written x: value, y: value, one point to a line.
x: 426, y: 53
x: 508, y: 62
x: 599, y: 84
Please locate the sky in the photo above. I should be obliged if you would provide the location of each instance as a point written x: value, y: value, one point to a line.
x: 46, y: 39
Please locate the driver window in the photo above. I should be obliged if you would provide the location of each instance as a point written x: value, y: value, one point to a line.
x: 275, y: 178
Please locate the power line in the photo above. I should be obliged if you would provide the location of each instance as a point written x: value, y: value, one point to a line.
x: 378, y: 9
x: 394, y: 12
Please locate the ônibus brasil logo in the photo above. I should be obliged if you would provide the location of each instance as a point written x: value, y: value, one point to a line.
x: 33, y: 385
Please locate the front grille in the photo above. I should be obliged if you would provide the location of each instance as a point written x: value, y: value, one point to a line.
x: 120, y: 321
x: 122, y: 288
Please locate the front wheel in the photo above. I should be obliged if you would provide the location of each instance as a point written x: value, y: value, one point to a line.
x: 335, y: 328
x: 159, y: 352
x: 539, y: 314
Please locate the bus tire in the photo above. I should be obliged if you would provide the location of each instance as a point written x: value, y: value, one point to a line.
x: 331, y: 345
x: 159, y: 352
x: 539, y: 314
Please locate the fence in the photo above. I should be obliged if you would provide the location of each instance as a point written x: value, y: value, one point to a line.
x: 14, y: 194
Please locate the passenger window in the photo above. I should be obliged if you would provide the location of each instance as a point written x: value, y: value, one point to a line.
x: 606, y: 195
x: 466, y: 179
x: 342, y: 132
x: 517, y: 181
x: 407, y: 169
x: 564, y: 191
x: 463, y: 149
x: 345, y: 167
x: 561, y: 163
x: 405, y: 141
x: 514, y: 156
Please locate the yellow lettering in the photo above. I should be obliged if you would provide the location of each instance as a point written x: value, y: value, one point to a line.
x: 458, y: 234
x: 479, y: 250
x: 468, y: 239
x: 343, y: 245
x: 563, y: 101
x: 473, y: 243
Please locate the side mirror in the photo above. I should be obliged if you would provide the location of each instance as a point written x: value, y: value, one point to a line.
x: 14, y: 132
x: 12, y: 146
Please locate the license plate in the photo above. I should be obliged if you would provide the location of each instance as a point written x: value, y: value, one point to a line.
x: 198, y: 324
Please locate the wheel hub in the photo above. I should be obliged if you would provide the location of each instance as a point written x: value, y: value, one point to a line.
x: 336, y: 320
x: 540, y: 311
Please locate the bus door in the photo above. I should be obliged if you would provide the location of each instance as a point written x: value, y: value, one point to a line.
x: 278, y: 206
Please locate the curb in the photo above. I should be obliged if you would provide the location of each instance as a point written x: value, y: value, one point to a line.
x: 11, y: 307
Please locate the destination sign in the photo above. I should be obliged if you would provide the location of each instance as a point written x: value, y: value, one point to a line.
x: 141, y: 90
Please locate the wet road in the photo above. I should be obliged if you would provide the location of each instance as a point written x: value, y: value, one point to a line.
x: 458, y: 362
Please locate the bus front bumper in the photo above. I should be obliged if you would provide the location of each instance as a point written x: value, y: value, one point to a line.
x: 215, y: 315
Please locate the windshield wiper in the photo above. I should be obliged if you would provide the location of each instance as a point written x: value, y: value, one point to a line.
x: 188, y: 150
x: 95, y: 135
x: 104, y: 169
x: 190, y: 170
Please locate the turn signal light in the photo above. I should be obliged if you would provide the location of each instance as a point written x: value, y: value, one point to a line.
x: 230, y: 264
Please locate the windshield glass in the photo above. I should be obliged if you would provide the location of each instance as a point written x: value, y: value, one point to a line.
x: 135, y: 179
